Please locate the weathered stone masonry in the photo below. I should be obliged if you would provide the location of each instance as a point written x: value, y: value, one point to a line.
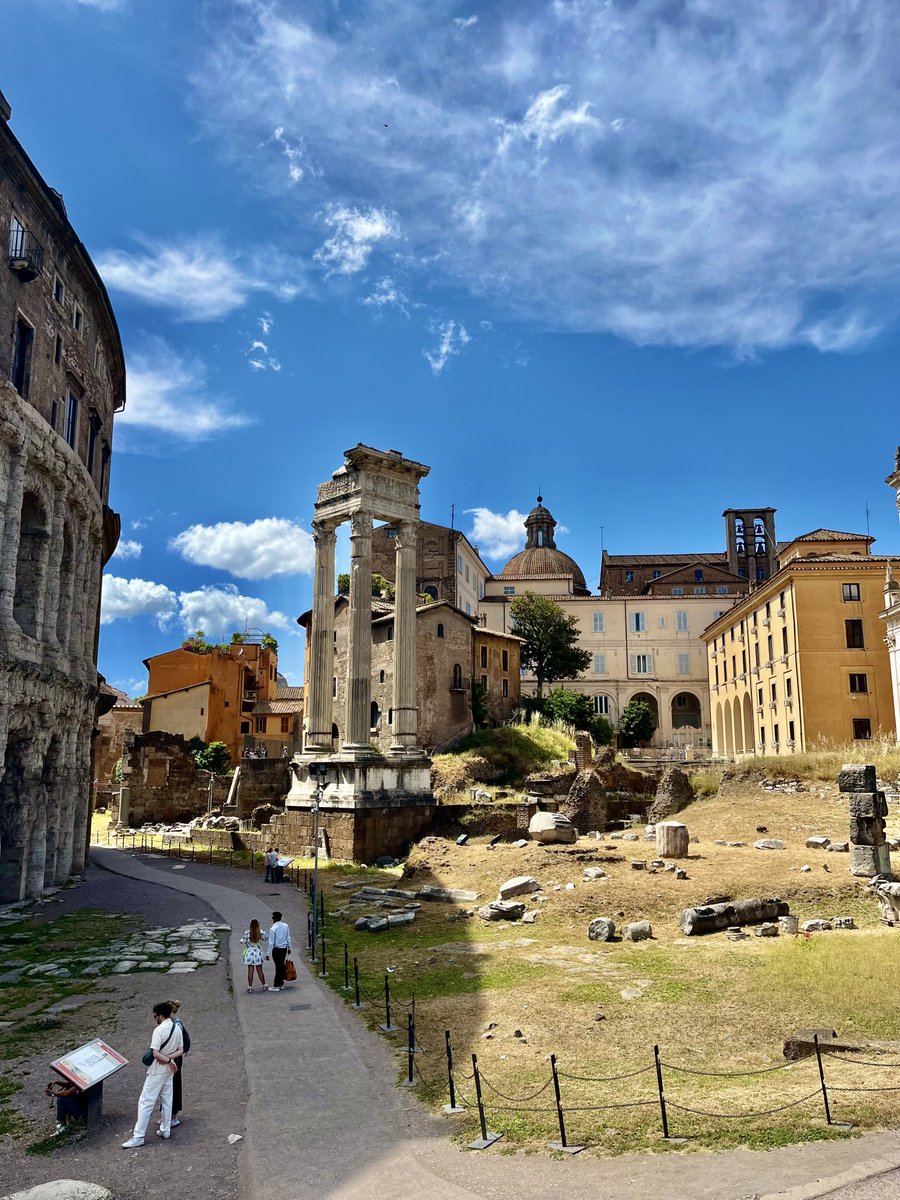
x: 62, y: 377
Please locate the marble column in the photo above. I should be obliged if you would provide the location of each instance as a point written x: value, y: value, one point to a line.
x: 321, y: 646
x: 405, y: 732
x: 359, y: 657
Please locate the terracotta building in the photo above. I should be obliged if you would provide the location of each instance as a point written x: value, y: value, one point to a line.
x: 211, y: 695
x: 277, y: 724
x: 62, y: 377
x: 802, y: 657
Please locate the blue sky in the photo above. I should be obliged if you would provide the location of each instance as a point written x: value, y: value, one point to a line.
x: 641, y: 254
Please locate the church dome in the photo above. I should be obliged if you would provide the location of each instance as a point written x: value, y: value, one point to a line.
x: 540, y: 559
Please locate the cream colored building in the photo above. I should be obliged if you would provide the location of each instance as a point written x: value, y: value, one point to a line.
x: 645, y: 646
x: 891, y: 613
x: 801, y: 659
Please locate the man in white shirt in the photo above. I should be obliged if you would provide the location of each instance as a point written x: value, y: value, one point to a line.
x: 165, y: 1045
x: 271, y: 861
x: 279, y: 948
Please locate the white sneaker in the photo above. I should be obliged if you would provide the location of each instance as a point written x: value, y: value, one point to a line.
x: 132, y: 1143
x: 274, y: 989
x: 173, y: 1124
x: 159, y: 1133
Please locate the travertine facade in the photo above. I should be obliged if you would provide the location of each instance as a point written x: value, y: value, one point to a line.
x: 62, y: 376
x: 891, y: 612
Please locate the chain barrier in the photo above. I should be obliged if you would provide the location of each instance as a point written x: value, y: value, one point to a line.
x: 832, y: 1088
x: 859, y: 1062
x: 699, y: 1112
x: 725, y: 1074
x: 605, y: 1078
x: 515, y: 1099
x: 606, y: 1107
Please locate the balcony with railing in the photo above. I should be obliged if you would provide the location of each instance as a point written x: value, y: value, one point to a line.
x: 26, y: 254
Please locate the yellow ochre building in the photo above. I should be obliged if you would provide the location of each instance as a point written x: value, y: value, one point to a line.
x: 801, y: 658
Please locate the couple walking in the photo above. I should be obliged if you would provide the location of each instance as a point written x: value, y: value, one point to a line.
x: 258, y: 945
x: 162, y: 1085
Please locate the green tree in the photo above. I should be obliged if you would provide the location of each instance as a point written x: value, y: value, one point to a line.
x: 479, y: 703
x: 577, y: 710
x: 550, y: 639
x: 637, y: 723
x: 379, y: 585
x: 343, y: 582
x: 214, y: 758
x: 269, y: 642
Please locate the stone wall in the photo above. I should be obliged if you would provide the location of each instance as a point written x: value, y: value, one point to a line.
x: 160, y: 780
x: 261, y: 781
x: 108, y: 745
x: 359, y: 835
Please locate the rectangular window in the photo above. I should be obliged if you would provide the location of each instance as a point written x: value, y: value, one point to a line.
x: 717, y: 674
x: 721, y: 590
x: 598, y: 622
x: 859, y: 683
x: 769, y: 647
x: 784, y: 644
x: 677, y: 591
x: 698, y: 576
x: 78, y: 319
x: 768, y: 609
x: 260, y: 724
x: 21, y: 373
x: 504, y: 660
x: 684, y: 664
x: 724, y: 672
x: 629, y: 576
x: 71, y: 430
x: 788, y: 689
x: 681, y: 621
x: 756, y: 655
x: 601, y: 706
x: 484, y: 656
x: 505, y: 687
x: 509, y: 591
x: 759, y: 697
x: 655, y: 574
x: 245, y: 726
x: 744, y: 661
x: 467, y: 572
x: 468, y: 609
x: 54, y: 414
x: 731, y: 633
x: 484, y: 682
x: 790, y: 731
x: 599, y: 664
x: 641, y: 664
x: 733, y: 666
x: 638, y: 622
x: 781, y: 599
x: 775, y: 734
x: 855, y: 639
x: 850, y: 591
x: 57, y: 351
x: 774, y: 693
x: 59, y: 290
x: 285, y: 724
x: 459, y: 564
x: 699, y: 591
x: 862, y: 729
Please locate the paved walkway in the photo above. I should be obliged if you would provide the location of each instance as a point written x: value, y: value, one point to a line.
x: 324, y: 1119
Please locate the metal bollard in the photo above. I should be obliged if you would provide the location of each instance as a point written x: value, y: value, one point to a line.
x: 321, y: 907
x: 387, y: 1027
x: 210, y: 853
x: 345, y: 986
x: 309, y: 937
x: 452, y: 1107
x: 822, y: 1079
x: 662, y: 1098
x: 562, y: 1144
x: 486, y: 1139
x: 409, y: 1081
x: 358, y: 1003
x: 322, y: 973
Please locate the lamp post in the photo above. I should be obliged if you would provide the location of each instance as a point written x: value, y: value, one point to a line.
x: 319, y: 770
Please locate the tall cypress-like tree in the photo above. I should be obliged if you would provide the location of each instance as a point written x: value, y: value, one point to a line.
x: 549, y: 640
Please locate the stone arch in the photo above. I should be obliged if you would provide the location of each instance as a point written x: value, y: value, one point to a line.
x: 457, y: 677
x: 604, y: 706
x: 738, y: 728
x: 687, y: 712
x: 15, y: 816
x: 719, y: 738
x: 729, y: 730
x: 374, y: 715
x: 31, y: 563
x: 66, y: 568
x: 650, y: 700
x: 431, y: 591
x: 749, y: 734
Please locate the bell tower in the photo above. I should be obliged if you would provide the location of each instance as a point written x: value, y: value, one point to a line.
x: 750, y: 542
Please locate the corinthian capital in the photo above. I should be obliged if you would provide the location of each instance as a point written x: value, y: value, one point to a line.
x: 407, y: 532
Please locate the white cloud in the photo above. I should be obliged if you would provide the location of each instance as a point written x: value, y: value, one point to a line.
x: 131, y: 687
x: 166, y: 393
x: 686, y: 174
x: 465, y: 22
x: 103, y: 5
x: 256, y: 550
x: 218, y: 611
x: 387, y: 293
x: 497, y: 535
x: 199, y: 279
x: 126, y: 598
x: 355, y: 236
x: 259, y: 356
x: 292, y: 152
x: 452, y: 336
x: 128, y: 549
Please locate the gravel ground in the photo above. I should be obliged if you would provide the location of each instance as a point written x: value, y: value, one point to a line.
x: 197, y: 1161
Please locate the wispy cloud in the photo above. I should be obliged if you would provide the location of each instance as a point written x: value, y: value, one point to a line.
x: 292, y: 152
x: 387, y: 293
x: 128, y: 549
x: 252, y: 550
x: 259, y: 353
x: 103, y: 5
x: 199, y: 279
x: 355, y: 235
x: 169, y: 394
x: 684, y: 174
x: 218, y: 611
x: 126, y: 598
x: 497, y: 535
x: 452, y: 337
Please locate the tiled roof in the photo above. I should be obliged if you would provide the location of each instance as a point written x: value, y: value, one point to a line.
x: 832, y: 535
x: 276, y: 708
x: 654, y: 560
x: 288, y: 693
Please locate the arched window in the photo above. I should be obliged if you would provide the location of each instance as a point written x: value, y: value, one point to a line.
x: 601, y: 705
x: 381, y: 676
x: 375, y: 718
x: 440, y: 629
x: 390, y: 633
x: 30, y: 564
x: 457, y: 677
x: 430, y: 591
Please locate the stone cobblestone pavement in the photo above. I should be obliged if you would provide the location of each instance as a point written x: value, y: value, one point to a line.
x: 325, y: 1120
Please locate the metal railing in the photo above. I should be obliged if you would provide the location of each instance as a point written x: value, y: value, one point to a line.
x: 26, y: 254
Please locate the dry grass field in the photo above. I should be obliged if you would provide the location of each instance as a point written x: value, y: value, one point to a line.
x: 709, y: 1003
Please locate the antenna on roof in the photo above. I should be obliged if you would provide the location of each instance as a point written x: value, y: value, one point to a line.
x: 452, y: 515
x: 868, y: 532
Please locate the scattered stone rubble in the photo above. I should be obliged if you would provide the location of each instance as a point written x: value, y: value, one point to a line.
x: 548, y: 827
x: 869, y: 855
x: 672, y: 795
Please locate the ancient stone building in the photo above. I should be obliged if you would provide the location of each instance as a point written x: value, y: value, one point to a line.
x: 62, y: 377
x: 448, y: 566
x: 125, y: 715
x: 891, y: 611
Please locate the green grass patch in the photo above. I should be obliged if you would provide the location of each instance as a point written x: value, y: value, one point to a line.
x: 10, y: 1121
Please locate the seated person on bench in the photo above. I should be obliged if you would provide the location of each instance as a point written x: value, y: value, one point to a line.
x: 71, y: 1103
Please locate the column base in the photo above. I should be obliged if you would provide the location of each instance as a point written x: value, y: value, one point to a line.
x: 364, y: 780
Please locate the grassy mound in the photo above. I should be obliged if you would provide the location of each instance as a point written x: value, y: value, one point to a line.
x: 504, y: 756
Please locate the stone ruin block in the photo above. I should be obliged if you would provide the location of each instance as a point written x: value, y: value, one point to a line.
x: 867, y: 804
x: 868, y: 861
x: 857, y: 777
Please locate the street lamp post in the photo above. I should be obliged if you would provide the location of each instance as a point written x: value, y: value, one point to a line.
x: 319, y: 770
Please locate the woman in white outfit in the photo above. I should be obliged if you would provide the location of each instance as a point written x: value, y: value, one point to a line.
x: 254, y: 941
x: 165, y: 1046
